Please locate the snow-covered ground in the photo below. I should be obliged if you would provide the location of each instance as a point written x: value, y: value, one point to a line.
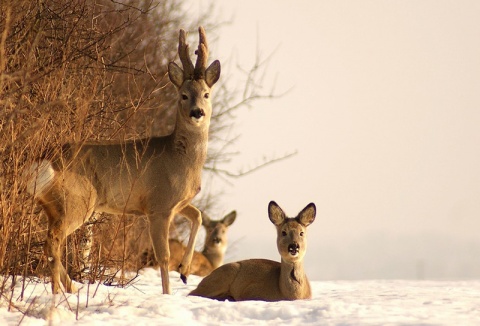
x: 393, y: 302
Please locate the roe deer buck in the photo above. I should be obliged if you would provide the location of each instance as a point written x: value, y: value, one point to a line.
x: 262, y: 279
x: 203, y: 263
x: 157, y: 177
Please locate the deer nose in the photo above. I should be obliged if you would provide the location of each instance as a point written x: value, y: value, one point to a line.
x: 197, y: 113
x: 293, y: 248
x: 216, y: 240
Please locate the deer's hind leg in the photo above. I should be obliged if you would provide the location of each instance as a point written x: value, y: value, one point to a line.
x: 67, y: 205
x: 53, y: 244
x: 56, y: 235
x: 218, y: 284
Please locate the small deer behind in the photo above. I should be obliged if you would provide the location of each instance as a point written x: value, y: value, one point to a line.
x: 157, y: 176
x: 216, y: 241
x: 262, y: 279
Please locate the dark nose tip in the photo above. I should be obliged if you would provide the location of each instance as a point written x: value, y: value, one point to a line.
x: 216, y: 240
x: 293, y: 248
x: 197, y: 113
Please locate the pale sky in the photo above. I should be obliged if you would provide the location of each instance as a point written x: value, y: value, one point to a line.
x: 385, y: 116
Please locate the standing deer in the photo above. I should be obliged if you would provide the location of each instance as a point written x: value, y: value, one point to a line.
x: 262, y: 279
x: 203, y: 263
x: 157, y: 177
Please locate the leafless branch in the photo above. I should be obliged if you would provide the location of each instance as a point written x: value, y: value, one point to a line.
x: 248, y: 171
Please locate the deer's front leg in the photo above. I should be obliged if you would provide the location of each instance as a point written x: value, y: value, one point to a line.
x: 159, y: 226
x: 195, y: 217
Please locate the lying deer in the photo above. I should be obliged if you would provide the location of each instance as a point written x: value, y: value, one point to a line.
x: 203, y: 263
x: 262, y: 279
x: 157, y: 176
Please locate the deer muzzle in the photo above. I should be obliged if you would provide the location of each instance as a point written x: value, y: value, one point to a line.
x: 197, y: 114
x: 293, y: 248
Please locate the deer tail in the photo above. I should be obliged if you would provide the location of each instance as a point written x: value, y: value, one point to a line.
x: 40, y: 176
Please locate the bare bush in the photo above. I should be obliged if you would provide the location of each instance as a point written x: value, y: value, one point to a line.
x: 72, y: 72
x: 86, y: 70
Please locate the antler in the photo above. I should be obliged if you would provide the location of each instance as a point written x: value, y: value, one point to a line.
x: 202, y: 55
x: 189, y: 72
x: 183, y: 53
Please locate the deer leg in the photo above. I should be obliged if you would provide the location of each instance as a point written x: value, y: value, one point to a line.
x: 54, y: 205
x: 66, y: 280
x: 217, y: 285
x: 159, y: 226
x: 53, y: 249
x: 68, y: 206
x: 86, y: 242
x: 195, y: 217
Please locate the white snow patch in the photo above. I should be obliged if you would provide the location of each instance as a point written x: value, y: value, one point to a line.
x: 376, y: 302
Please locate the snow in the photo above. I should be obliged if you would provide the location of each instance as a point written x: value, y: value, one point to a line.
x: 375, y: 302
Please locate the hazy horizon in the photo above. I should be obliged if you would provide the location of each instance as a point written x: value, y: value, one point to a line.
x: 384, y: 112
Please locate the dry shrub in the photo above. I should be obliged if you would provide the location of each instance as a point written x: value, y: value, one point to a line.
x: 82, y: 70
x: 74, y: 71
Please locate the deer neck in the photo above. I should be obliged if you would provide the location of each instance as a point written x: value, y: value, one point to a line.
x: 215, y: 257
x: 190, y: 142
x: 293, y: 280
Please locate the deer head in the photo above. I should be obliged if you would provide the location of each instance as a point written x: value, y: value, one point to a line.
x: 216, y: 233
x: 291, y: 232
x: 194, y: 83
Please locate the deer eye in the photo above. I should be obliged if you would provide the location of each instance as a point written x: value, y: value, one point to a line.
x: 301, y: 234
x: 207, y: 95
x: 284, y: 233
x: 184, y: 97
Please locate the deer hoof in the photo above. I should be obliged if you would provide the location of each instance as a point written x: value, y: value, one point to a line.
x: 183, y: 278
x: 71, y: 289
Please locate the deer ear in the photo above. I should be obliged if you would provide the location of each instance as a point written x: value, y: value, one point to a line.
x: 205, y: 219
x: 212, y: 74
x: 275, y: 213
x: 307, y: 215
x: 230, y: 218
x: 175, y: 73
